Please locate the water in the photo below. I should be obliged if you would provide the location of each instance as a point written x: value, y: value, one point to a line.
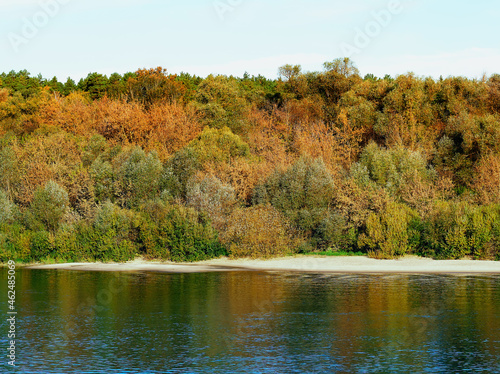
x: 252, y: 322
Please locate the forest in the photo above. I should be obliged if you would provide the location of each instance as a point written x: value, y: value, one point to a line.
x: 185, y: 168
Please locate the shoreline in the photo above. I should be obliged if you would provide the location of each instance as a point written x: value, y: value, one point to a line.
x: 305, y: 264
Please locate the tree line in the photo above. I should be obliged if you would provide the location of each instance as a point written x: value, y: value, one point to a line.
x: 186, y: 168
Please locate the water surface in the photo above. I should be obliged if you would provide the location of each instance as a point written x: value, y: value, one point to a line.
x: 253, y: 322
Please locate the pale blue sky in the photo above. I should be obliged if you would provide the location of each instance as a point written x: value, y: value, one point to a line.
x: 440, y: 37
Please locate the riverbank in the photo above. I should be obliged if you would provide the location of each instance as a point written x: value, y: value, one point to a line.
x: 316, y: 264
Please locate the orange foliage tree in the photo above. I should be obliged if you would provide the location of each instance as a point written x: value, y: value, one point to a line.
x: 164, y: 127
x: 486, y: 181
x: 151, y: 86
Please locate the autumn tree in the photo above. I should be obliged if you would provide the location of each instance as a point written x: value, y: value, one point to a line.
x: 258, y: 231
x: 494, y: 92
x: 289, y: 71
x: 342, y: 66
x: 222, y: 104
x: 150, y: 86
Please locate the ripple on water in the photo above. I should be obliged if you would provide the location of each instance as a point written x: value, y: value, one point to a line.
x: 245, y: 322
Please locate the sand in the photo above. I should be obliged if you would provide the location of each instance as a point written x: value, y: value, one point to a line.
x: 318, y: 264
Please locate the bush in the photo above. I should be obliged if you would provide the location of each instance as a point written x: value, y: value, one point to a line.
x: 178, y: 171
x: 213, y: 147
x: 388, y: 233
x: 7, y: 246
x: 175, y: 233
x: 486, y: 181
x: 208, y: 194
x: 8, y: 210
x: 49, y: 205
x: 15, y: 243
x: 112, y: 234
x: 484, y: 230
x: 69, y: 248
x: 105, y: 246
x: 258, y: 231
x: 218, y: 145
x: 96, y: 146
x: 109, y: 237
x: 334, y: 232
x: 301, y: 193
x: 221, y: 103
x: 356, y: 199
x: 138, y: 177
x: 103, y: 177
x: 458, y: 229
x: 41, y: 245
x: 390, y: 168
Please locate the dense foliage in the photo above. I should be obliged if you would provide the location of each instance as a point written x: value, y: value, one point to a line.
x: 185, y: 168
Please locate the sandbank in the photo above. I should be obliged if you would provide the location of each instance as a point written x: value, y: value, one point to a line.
x: 310, y: 264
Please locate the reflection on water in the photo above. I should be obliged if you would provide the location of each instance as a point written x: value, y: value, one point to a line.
x: 246, y: 322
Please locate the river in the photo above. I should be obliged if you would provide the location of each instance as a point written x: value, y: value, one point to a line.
x: 253, y: 322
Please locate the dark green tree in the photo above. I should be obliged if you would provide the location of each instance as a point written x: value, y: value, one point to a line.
x: 95, y: 84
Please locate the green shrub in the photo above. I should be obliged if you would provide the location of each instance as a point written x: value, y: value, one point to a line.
x: 302, y: 193
x: 221, y: 103
x: 96, y: 146
x: 360, y: 174
x: 7, y: 246
x: 480, y: 230
x: 41, y: 245
x: 49, y: 205
x: 16, y: 242
x: 138, y: 178
x: 106, y: 246
x: 219, y: 145
x: 176, y: 233
x: 458, y: 229
x: 390, y: 168
x: 178, y: 171
x: 334, y: 232
x: 112, y: 235
x: 8, y: 210
x: 388, y: 233
x: 103, y: 177
x: 69, y: 248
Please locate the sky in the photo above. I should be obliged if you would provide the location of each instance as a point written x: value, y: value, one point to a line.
x: 71, y: 38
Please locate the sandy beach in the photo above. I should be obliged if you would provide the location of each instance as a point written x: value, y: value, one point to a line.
x: 319, y: 264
